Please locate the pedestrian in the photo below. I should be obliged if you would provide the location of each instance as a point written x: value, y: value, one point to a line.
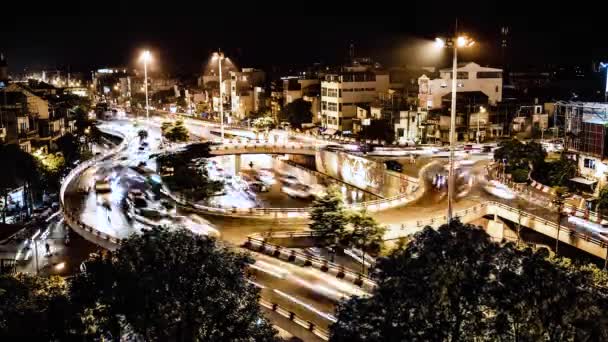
x: 48, y: 248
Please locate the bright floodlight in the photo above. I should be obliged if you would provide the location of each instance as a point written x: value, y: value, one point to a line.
x: 461, y: 41
x: 464, y: 41
x: 439, y: 42
x: 146, y: 56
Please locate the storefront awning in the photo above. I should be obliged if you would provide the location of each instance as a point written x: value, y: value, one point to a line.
x: 584, y: 181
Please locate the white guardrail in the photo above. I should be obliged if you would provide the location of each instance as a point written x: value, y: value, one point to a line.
x: 72, y: 218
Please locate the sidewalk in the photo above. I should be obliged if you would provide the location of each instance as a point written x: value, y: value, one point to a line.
x: 63, y: 259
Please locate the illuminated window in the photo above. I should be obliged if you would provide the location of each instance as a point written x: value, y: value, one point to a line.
x: 589, y: 163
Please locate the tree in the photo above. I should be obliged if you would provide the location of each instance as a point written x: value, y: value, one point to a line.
x: 520, y: 175
x: 297, y: 113
x: 365, y: 234
x: 143, y: 134
x: 379, y: 130
x: 69, y: 147
x: 602, y: 202
x: 328, y: 216
x: 22, y: 170
x: 33, y: 308
x: 263, y: 124
x: 51, y: 166
x: 175, y: 132
x: 555, y: 173
x: 165, y: 127
x: 174, y: 285
x: 520, y: 155
x: 189, y: 174
x: 455, y: 284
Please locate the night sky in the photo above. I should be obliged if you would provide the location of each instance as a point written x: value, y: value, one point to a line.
x: 183, y: 43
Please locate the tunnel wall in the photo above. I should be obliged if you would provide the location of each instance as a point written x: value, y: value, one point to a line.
x: 364, y: 173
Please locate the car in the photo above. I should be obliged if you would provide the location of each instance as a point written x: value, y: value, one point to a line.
x: 258, y: 187
x: 289, y: 179
x: 393, y: 165
x: 297, y: 190
x: 102, y: 185
x: 141, y: 148
x: 334, y: 148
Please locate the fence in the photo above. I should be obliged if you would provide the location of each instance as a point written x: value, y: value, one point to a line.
x: 309, y: 260
x: 315, y: 329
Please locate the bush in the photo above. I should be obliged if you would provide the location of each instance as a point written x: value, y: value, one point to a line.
x: 520, y: 175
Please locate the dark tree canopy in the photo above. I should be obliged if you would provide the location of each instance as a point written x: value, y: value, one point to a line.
x: 297, y: 113
x: 519, y: 155
x: 378, y: 130
x: 33, y: 308
x: 328, y: 216
x: 454, y: 284
x: 173, y: 285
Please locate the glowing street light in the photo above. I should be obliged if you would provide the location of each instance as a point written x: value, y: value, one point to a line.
x: 146, y: 57
x: 455, y: 43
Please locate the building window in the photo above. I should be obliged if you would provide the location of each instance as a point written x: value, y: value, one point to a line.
x: 589, y: 163
x: 462, y: 75
x: 488, y: 74
x: 332, y: 92
x: 323, y: 91
x: 497, y: 89
x: 339, y: 106
x: 324, y: 105
x: 332, y: 106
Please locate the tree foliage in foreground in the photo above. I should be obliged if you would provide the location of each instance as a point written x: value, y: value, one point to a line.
x: 159, y: 286
x: 33, y: 308
x: 172, y: 286
x: 454, y: 284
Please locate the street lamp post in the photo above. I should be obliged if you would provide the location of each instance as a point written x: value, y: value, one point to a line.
x: 458, y: 41
x: 36, y: 249
x: 481, y: 110
x: 220, y: 56
x: 146, y: 57
x: 605, y: 66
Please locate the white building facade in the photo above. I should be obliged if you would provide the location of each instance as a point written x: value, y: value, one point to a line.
x: 342, y: 92
x: 470, y: 77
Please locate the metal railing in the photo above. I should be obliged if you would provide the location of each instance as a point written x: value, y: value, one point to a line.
x: 315, y: 261
x: 477, y: 209
x: 308, y: 325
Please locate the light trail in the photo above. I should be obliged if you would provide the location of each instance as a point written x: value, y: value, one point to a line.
x: 309, y: 307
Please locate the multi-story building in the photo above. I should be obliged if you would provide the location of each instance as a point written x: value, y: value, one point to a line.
x: 31, y: 118
x: 242, y: 87
x: 296, y: 87
x: 586, y: 134
x: 341, y: 93
x: 471, y: 77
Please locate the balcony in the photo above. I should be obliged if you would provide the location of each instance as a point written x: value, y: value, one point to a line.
x: 27, y: 134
